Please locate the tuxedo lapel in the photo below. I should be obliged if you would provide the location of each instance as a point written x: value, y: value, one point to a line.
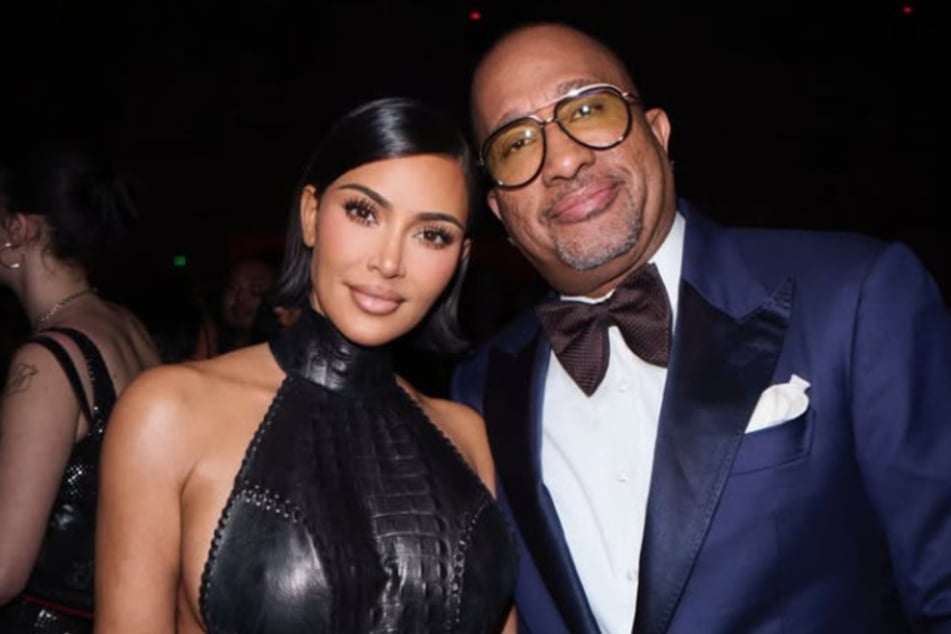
x: 514, y: 386
x: 723, y: 357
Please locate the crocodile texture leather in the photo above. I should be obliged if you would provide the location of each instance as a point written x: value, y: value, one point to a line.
x: 352, y: 512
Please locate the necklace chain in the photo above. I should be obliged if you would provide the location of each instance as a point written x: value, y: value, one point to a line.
x: 58, y: 306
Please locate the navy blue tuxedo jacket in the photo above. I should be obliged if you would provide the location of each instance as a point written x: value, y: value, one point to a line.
x: 838, y: 521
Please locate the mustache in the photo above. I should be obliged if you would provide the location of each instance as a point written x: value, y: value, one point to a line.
x: 578, y: 184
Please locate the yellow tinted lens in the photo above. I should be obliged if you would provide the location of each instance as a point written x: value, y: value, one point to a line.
x: 599, y: 118
x: 515, y: 152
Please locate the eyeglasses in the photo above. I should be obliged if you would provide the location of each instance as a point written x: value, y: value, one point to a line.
x: 596, y: 116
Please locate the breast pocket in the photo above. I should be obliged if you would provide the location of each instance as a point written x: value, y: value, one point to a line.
x: 775, y: 446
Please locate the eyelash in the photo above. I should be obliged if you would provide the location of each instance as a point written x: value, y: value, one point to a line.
x: 361, y: 211
x: 437, y: 237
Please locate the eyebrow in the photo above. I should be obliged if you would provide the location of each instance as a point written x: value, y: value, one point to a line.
x: 370, y: 193
x: 424, y: 216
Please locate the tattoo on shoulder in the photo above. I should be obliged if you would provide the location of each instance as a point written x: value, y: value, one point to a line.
x: 21, y: 375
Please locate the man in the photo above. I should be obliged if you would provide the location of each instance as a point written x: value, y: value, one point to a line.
x: 781, y: 467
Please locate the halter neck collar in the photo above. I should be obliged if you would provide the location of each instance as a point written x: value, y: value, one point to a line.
x: 313, y: 349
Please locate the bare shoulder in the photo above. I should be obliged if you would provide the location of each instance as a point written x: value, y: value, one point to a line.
x: 463, y: 426
x: 164, y: 390
x: 32, y: 352
x: 179, y: 410
x: 189, y: 389
x: 154, y: 411
x: 33, y: 369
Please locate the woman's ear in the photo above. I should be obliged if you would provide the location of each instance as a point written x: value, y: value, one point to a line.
x: 308, y: 215
x: 466, y: 249
x: 23, y: 228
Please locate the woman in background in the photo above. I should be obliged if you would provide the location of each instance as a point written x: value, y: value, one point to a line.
x: 301, y: 485
x: 232, y: 324
x: 58, y: 212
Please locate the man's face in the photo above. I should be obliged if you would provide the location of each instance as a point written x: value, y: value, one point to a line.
x: 590, y: 216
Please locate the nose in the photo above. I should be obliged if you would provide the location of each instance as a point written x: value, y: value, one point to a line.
x: 388, y: 256
x: 564, y: 157
x: 242, y: 295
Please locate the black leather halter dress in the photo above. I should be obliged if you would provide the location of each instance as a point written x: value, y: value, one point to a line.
x: 352, y: 512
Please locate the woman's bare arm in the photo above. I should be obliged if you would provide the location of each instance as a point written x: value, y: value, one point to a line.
x: 145, y: 460
x: 38, y: 426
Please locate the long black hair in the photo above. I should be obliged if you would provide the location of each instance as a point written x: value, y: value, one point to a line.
x: 386, y: 128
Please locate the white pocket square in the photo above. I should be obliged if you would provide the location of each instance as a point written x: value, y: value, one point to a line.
x: 780, y: 403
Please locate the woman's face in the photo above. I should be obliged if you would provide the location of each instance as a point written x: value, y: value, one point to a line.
x: 250, y: 279
x: 387, y: 237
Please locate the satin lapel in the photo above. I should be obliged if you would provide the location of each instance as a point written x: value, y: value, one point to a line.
x: 719, y: 367
x: 513, y: 398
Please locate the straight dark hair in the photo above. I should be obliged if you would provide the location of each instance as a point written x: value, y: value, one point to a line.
x: 387, y: 128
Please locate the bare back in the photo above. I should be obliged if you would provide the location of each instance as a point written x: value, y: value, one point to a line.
x: 41, y: 420
x: 122, y: 340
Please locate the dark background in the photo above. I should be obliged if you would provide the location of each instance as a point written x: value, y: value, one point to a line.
x: 807, y: 114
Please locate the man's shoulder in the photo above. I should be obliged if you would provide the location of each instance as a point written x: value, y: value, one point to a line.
x: 780, y: 242
x: 821, y: 263
x: 514, y: 335
x: 512, y: 338
x: 796, y: 241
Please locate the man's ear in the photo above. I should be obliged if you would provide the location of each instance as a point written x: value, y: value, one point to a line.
x: 308, y: 215
x: 660, y: 125
x: 492, y: 199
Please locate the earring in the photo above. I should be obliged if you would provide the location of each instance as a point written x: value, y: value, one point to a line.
x: 9, y: 245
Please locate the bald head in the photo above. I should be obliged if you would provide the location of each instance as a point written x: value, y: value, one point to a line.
x: 535, y: 56
x: 590, y: 214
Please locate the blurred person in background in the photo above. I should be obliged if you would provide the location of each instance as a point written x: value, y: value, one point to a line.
x: 59, y: 211
x: 249, y: 280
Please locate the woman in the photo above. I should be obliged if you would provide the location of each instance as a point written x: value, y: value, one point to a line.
x: 58, y: 211
x: 300, y: 485
x: 232, y: 325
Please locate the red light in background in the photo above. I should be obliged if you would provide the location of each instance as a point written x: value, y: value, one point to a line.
x: 475, y: 16
x: 907, y: 9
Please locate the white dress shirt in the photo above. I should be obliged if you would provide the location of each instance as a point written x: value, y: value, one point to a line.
x: 597, y: 454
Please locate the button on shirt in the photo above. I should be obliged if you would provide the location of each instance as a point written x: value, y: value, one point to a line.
x: 597, y: 454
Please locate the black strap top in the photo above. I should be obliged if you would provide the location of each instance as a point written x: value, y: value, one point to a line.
x: 351, y: 511
x: 63, y: 573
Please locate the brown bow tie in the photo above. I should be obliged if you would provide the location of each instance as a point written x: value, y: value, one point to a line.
x: 578, y: 331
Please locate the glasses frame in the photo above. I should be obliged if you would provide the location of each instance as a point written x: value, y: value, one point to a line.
x: 627, y: 96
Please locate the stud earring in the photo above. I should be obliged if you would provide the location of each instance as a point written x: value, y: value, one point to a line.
x: 13, y: 265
